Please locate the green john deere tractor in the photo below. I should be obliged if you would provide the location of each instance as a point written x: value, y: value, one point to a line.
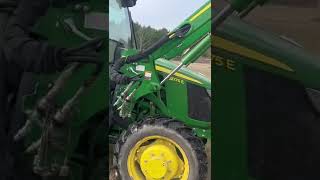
x: 162, y: 110
x: 159, y: 112
x: 265, y: 105
x: 266, y: 101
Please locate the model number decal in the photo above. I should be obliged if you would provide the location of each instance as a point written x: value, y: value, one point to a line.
x: 226, y: 63
x: 176, y: 80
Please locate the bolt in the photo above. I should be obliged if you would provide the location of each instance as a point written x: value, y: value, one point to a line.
x: 145, y: 161
x: 169, y: 161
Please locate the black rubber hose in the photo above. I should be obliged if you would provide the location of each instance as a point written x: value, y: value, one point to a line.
x: 84, y: 55
x: 116, y: 76
x: 119, y: 78
x: 147, y: 52
x: 179, y: 33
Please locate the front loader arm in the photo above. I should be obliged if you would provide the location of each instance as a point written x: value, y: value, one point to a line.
x: 198, y: 25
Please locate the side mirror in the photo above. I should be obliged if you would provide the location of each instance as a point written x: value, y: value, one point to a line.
x: 128, y: 3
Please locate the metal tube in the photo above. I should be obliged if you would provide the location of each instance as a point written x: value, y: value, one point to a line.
x: 172, y: 73
x: 198, y: 50
x: 221, y: 17
x: 192, y: 55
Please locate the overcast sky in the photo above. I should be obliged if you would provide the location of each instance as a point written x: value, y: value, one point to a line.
x: 164, y: 13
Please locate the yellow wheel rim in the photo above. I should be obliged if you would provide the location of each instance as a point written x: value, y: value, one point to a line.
x: 156, y: 158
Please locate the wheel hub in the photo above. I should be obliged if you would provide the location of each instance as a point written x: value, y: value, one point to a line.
x: 160, y: 161
x: 157, y: 158
x: 156, y: 168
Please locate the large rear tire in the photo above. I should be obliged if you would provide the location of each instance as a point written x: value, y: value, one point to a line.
x: 160, y: 148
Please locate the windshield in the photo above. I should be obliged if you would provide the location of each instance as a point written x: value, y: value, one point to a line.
x: 119, y: 24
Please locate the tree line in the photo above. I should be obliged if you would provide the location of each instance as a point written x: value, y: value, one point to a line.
x: 147, y: 35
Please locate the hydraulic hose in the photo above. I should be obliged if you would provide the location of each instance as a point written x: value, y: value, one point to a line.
x: 119, y: 78
x: 114, y: 75
x: 179, y: 33
x: 143, y: 54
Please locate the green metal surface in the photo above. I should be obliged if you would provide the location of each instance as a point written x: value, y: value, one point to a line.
x: 237, y: 45
x: 53, y: 26
x: 200, y: 22
x: 204, y: 81
x: 171, y: 99
x: 229, y: 127
x: 302, y: 66
x: 94, y: 101
x: 150, y: 98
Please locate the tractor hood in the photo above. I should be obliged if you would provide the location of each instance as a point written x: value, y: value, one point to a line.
x: 238, y: 40
x: 165, y: 66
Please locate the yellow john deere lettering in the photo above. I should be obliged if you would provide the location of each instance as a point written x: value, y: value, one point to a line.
x: 200, y: 12
x: 165, y: 70
x: 176, y: 80
x: 226, y: 63
x: 254, y: 55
